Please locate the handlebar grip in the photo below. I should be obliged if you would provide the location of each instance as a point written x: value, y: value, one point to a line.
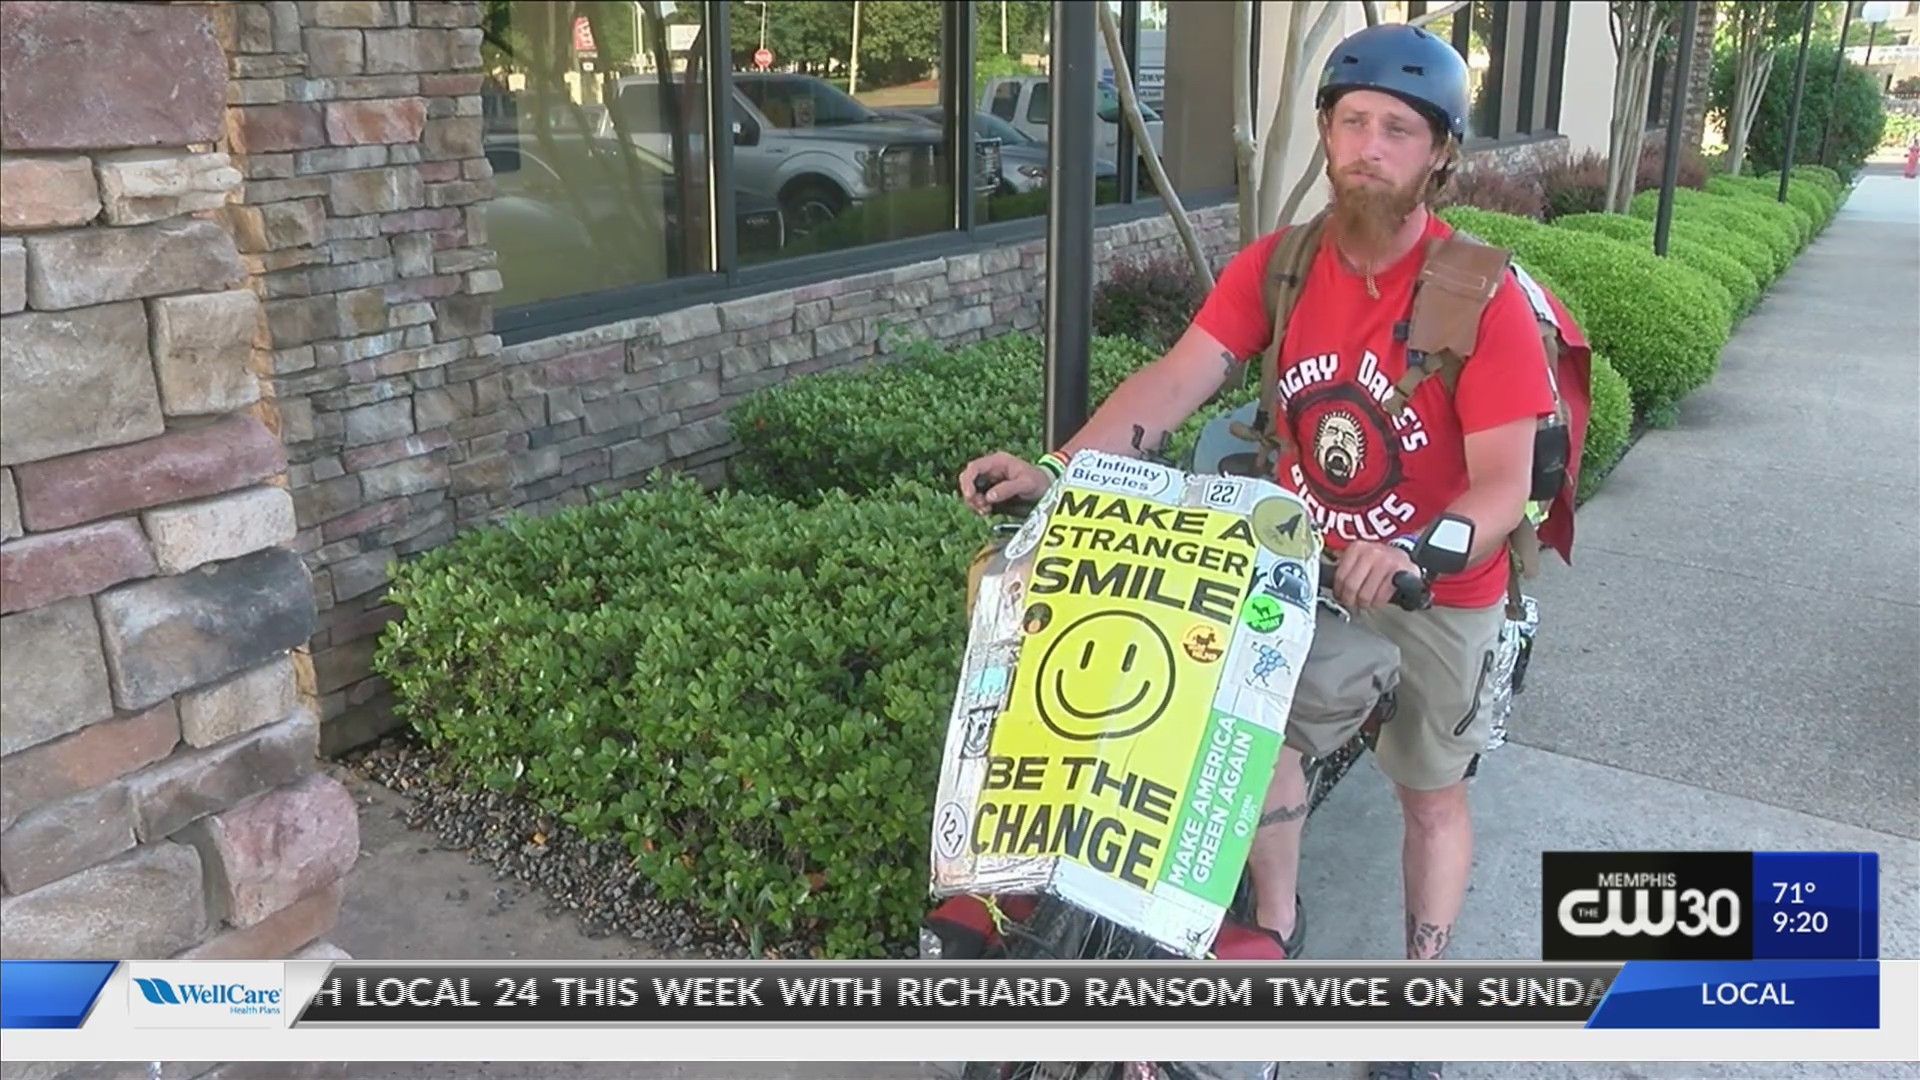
x: 1411, y: 592
x: 1016, y: 508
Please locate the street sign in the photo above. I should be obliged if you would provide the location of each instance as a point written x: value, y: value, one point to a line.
x: 583, y: 35
x: 763, y: 58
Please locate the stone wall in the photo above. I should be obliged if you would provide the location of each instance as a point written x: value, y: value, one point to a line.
x: 357, y: 126
x: 158, y: 787
x: 1520, y: 155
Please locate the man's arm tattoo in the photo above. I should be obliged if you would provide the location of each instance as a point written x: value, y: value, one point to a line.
x: 1283, y: 813
x: 1427, y: 941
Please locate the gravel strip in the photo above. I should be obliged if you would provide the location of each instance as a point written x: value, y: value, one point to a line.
x: 592, y: 880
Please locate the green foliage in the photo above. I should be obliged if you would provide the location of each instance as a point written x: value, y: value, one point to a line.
x: 1029, y: 204
x: 1729, y: 275
x: 1859, y: 114
x: 922, y: 416
x: 998, y: 66
x: 1826, y: 178
x: 750, y: 694
x: 895, y: 215
x: 1899, y: 132
x: 1746, y: 215
x: 899, y: 41
x: 1660, y: 322
x: 1609, y: 425
x: 1804, y: 223
x: 1152, y: 302
x: 1811, y: 196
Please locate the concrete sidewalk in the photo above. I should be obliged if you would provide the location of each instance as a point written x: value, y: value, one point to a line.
x: 1733, y: 663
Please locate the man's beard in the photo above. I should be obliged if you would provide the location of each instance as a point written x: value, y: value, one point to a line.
x: 1368, y: 216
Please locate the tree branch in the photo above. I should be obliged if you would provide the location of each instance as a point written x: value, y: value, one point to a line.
x: 1299, y: 52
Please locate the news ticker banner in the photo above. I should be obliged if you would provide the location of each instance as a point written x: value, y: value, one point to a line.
x: 932, y: 1010
x: 1798, y: 994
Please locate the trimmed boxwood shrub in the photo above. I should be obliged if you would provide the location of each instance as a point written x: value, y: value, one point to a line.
x: 1806, y: 222
x: 1659, y: 322
x: 1805, y: 192
x: 1727, y: 272
x: 752, y: 695
x: 1825, y: 177
x: 921, y: 417
x: 1770, y: 223
x: 1609, y: 425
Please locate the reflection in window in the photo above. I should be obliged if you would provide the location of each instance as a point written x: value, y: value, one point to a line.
x: 1485, y: 57
x: 595, y: 122
x: 841, y: 129
x: 1010, y: 86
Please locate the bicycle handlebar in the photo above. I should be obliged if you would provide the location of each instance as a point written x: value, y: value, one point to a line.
x: 1014, y: 508
x: 1411, y: 591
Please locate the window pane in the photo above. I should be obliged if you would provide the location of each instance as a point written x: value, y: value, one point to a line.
x: 1483, y: 59
x: 596, y: 127
x: 1012, y: 43
x: 841, y: 130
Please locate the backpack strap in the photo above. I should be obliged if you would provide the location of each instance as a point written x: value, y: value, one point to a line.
x: 1286, y: 278
x: 1459, y: 278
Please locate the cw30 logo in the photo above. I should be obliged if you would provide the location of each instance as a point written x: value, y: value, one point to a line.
x: 1591, y: 913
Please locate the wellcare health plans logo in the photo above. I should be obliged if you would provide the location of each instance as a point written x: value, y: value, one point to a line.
x: 197, y: 995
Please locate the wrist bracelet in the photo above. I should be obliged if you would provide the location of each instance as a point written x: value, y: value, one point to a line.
x: 1405, y: 543
x: 1055, y: 463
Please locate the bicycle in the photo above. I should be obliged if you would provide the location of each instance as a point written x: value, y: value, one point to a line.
x: 1015, y: 925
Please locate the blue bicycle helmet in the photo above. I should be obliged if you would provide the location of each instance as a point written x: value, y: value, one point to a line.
x: 1407, y: 62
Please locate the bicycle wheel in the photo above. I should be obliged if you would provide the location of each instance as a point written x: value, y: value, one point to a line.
x: 1058, y: 930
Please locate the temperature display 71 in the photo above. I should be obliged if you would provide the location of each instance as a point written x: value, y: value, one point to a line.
x: 1816, y: 906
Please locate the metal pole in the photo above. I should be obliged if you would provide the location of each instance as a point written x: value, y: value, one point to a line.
x: 1070, y: 191
x: 1833, y: 86
x: 1676, y: 119
x: 1793, y: 114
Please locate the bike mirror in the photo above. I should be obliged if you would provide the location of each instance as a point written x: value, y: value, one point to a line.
x: 1445, y: 545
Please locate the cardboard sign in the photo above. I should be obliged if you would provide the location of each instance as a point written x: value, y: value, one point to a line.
x: 1129, y: 671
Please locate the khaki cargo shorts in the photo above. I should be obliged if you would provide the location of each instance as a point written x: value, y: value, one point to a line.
x: 1439, y: 662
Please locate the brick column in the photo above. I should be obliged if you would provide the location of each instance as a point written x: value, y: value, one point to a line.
x: 158, y: 790
x: 358, y: 128
x: 1699, y: 81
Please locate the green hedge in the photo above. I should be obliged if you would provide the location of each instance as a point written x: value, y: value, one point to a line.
x: 1729, y: 274
x: 922, y: 417
x: 1806, y: 223
x: 1770, y: 223
x: 750, y: 694
x: 1609, y: 425
x: 1659, y: 322
x: 1830, y: 181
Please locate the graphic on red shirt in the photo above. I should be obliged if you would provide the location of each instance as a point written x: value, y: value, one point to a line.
x: 1366, y: 473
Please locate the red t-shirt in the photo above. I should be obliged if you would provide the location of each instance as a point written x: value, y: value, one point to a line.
x: 1366, y: 474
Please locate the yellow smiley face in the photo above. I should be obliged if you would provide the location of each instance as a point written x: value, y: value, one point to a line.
x: 1107, y: 676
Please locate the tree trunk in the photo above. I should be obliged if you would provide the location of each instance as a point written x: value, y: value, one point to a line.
x: 1638, y: 30
x: 1244, y: 150
x: 1130, y: 105
x: 1751, y: 75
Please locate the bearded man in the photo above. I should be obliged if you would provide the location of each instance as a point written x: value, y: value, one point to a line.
x: 1392, y: 106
